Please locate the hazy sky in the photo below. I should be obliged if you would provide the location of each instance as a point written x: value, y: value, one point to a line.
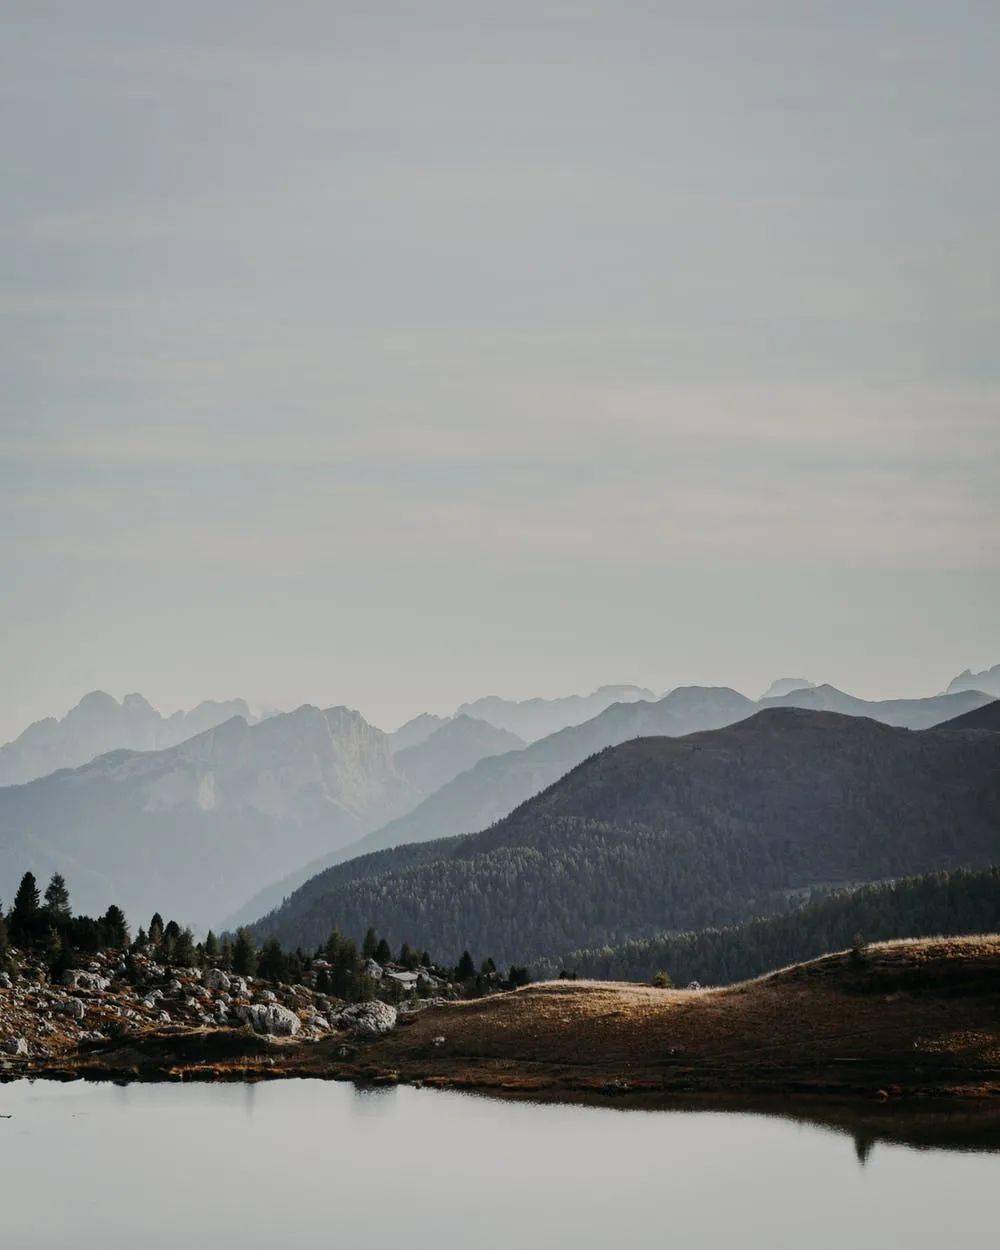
x: 396, y: 353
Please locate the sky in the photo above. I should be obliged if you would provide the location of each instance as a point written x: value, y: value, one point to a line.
x: 394, y: 354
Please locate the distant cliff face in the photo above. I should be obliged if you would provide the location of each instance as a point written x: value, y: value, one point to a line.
x: 99, y: 724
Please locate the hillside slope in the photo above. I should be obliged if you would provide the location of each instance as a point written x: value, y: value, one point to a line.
x: 938, y: 904
x: 495, y: 786
x: 453, y: 747
x: 904, y: 713
x: 683, y: 833
x: 985, y: 717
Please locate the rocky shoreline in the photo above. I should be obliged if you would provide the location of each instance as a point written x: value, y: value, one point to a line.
x: 912, y: 1023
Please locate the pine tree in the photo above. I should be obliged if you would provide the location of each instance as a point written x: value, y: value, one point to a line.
x: 57, y: 898
x: 466, y: 968
x: 173, y: 931
x: 383, y: 952
x: 184, y: 952
x: 369, y: 945
x: 4, y: 944
x: 272, y: 964
x: 333, y: 945
x: 116, y: 928
x: 24, y: 927
x: 211, y: 946
x: 344, y: 973
x: 226, y: 954
x: 57, y: 955
x: 156, y: 929
x: 244, y: 954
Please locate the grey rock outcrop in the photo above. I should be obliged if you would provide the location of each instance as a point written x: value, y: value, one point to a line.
x: 269, y: 1018
x: 366, y: 1019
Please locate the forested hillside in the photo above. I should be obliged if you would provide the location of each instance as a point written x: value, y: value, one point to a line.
x: 935, y: 905
x: 986, y: 717
x: 675, y: 834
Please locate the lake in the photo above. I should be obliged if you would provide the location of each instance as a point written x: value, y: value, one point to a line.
x: 309, y: 1163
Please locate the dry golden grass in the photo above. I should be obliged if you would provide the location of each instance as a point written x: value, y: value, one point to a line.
x: 903, y: 1018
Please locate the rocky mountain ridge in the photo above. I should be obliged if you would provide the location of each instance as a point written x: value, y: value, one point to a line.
x: 99, y: 724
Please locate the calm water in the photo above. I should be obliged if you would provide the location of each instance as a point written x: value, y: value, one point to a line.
x: 308, y: 1163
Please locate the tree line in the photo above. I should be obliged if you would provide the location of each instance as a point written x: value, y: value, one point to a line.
x: 46, y: 926
x: 941, y: 904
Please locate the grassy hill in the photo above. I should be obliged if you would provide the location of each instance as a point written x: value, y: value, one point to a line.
x: 676, y: 834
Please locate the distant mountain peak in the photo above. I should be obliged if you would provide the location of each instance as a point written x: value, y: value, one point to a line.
x: 785, y: 685
x: 988, y: 681
x: 99, y: 724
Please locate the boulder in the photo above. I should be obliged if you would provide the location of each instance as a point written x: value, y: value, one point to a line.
x: 76, y: 979
x: 215, y: 979
x: 74, y: 1007
x: 367, y: 1019
x: 269, y: 1018
x: 14, y: 1046
x: 5, y: 982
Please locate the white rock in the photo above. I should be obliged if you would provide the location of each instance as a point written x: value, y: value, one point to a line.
x: 74, y: 1007
x: 269, y: 1018
x: 367, y: 1019
x: 14, y: 1046
x: 75, y: 979
x: 215, y: 979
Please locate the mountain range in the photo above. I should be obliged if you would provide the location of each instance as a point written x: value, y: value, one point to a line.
x: 495, y: 786
x: 302, y: 795
x: 988, y: 681
x: 199, y: 827
x: 660, y: 834
x: 98, y: 724
x: 537, y: 718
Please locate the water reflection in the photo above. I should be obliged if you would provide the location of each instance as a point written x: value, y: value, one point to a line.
x: 307, y: 1163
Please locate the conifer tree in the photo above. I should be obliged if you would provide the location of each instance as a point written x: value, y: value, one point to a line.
x: 272, y: 963
x: 116, y: 927
x: 57, y: 897
x: 244, y: 954
x: 184, y: 952
x: 211, y: 946
x: 369, y: 945
x: 156, y: 929
x: 466, y: 968
x: 24, y: 927
x: 344, y: 973
x: 383, y: 952
x: 333, y: 945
